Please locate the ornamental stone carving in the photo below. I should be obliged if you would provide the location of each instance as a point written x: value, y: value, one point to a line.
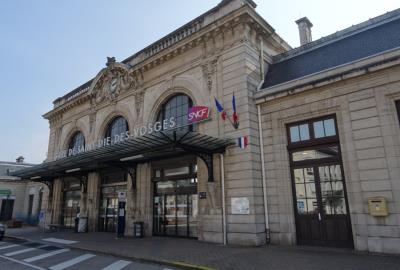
x: 209, y: 68
x: 114, y: 80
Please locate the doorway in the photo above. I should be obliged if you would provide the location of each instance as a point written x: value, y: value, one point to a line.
x: 319, y: 188
x: 112, y: 183
x: 7, y: 206
x: 71, y: 203
x: 175, y: 202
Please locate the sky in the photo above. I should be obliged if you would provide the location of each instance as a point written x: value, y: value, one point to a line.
x: 49, y: 48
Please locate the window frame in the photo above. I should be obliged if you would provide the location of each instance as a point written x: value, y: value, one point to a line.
x: 72, y: 142
x: 108, y: 131
x: 161, y: 113
x: 312, y: 141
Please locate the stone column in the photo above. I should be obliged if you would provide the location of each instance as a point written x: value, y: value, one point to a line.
x: 93, y: 201
x: 131, y: 197
x: 83, y: 210
x: 57, y: 202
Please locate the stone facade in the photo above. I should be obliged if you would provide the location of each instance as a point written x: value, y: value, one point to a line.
x: 227, y: 51
x: 218, y: 55
x: 368, y: 126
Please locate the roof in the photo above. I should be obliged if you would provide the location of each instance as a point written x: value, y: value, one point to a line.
x: 84, y: 87
x: 135, y: 150
x: 369, y: 38
x: 6, y: 167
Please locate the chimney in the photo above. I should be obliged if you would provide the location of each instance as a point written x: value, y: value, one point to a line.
x: 20, y: 159
x: 304, y: 30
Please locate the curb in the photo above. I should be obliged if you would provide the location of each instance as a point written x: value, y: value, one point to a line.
x: 177, y: 264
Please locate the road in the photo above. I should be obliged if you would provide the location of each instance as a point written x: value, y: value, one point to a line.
x: 25, y: 255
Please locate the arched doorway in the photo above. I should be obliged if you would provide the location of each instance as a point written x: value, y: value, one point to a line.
x: 112, y: 181
x: 175, y: 200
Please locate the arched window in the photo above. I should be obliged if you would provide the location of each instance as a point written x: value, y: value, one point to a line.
x: 116, y: 128
x: 177, y: 107
x: 77, y: 144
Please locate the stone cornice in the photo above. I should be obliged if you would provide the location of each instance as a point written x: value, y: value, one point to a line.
x: 239, y: 24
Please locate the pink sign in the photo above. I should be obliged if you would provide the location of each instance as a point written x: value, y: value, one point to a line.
x: 198, y: 113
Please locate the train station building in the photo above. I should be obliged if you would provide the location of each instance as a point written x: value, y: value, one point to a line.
x: 221, y: 132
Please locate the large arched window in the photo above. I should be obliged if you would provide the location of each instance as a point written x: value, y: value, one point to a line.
x: 76, y: 144
x: 177, y: 107
x: 116, y: 128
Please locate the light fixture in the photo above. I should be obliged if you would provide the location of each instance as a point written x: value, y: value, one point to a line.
x: 35, y: 177
x: 73, y: 170
x: 131, y: 158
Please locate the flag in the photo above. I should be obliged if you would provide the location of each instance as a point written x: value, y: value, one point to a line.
x: 235, y: 116
x: 243, y: 142
x: 220, y: 109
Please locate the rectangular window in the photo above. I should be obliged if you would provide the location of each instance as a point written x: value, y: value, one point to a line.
x: 299, y: 133
x: 312, y: 130
x: 325, y: 128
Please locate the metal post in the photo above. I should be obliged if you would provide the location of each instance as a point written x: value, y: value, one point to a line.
x: 223, y: 197
x: 264, y: 183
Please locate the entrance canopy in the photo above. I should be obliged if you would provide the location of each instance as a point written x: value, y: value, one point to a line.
x: 136, y: 150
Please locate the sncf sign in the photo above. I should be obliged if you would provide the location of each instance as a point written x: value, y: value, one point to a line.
x: 198, y: 113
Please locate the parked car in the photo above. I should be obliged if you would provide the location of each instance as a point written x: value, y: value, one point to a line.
x: 2, y: 231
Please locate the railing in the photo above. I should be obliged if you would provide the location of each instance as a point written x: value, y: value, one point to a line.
x: 173, y: 38
x: 158, y: 46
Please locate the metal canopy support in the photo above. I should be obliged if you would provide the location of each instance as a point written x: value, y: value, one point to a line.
x: 146, y: 148
x: 209, y: 161
x: 132, y: 172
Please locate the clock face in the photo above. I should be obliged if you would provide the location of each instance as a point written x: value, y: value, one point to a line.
x: 113, y: 85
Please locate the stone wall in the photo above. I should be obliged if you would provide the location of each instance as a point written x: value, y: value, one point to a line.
x: 369, y: 138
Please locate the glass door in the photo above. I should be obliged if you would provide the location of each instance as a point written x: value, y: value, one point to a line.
x: 193, y: 215
x: 322, y: 216
x: 108, y: 212
x: 182, y: 215
x: 170, y: 215
x: 71, y: 207
x: 159, y: 215
x: 319, y: 190
x: 175, y: 201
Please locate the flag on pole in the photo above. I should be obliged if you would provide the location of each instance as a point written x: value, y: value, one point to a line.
x: 220, y: 109
x: 235, y: 116
x: 243, y: 142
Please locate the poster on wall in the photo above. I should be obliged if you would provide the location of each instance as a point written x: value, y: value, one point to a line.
x: 240, y: 206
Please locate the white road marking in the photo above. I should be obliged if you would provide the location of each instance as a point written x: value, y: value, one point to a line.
x: 60, y: 241
x: 72, y: 262
x: 10, y: 246
x: 117, y: 265
x: 46, y: 255
x: 22, y: 251
x: 23, y: 263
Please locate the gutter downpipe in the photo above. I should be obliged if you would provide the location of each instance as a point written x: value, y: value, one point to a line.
x: 223, y: 198
x: 263, y: 174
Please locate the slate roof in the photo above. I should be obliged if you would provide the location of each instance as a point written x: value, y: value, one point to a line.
x: 366, y: 39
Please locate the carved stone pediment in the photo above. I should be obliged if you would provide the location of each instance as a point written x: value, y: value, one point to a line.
x: 114, y: 80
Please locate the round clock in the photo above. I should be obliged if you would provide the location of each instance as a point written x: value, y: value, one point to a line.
x: 113, y: 85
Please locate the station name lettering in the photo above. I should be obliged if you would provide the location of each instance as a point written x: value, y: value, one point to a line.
x: 118, y: 138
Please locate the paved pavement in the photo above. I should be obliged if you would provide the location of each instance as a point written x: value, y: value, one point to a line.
x: 27, y: 255
x: 172, y: 250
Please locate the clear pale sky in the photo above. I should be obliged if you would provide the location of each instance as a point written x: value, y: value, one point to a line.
x: 49, y: 47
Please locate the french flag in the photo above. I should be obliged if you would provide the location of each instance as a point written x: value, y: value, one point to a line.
x: 243, y: 142
x: 235, y: 116
x: 220, y: 109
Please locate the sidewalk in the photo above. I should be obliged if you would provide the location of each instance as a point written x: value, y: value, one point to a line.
x: 171, y: 250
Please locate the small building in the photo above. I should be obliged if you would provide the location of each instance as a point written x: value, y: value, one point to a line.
x: 19, y: 199
x: 221, y: 132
